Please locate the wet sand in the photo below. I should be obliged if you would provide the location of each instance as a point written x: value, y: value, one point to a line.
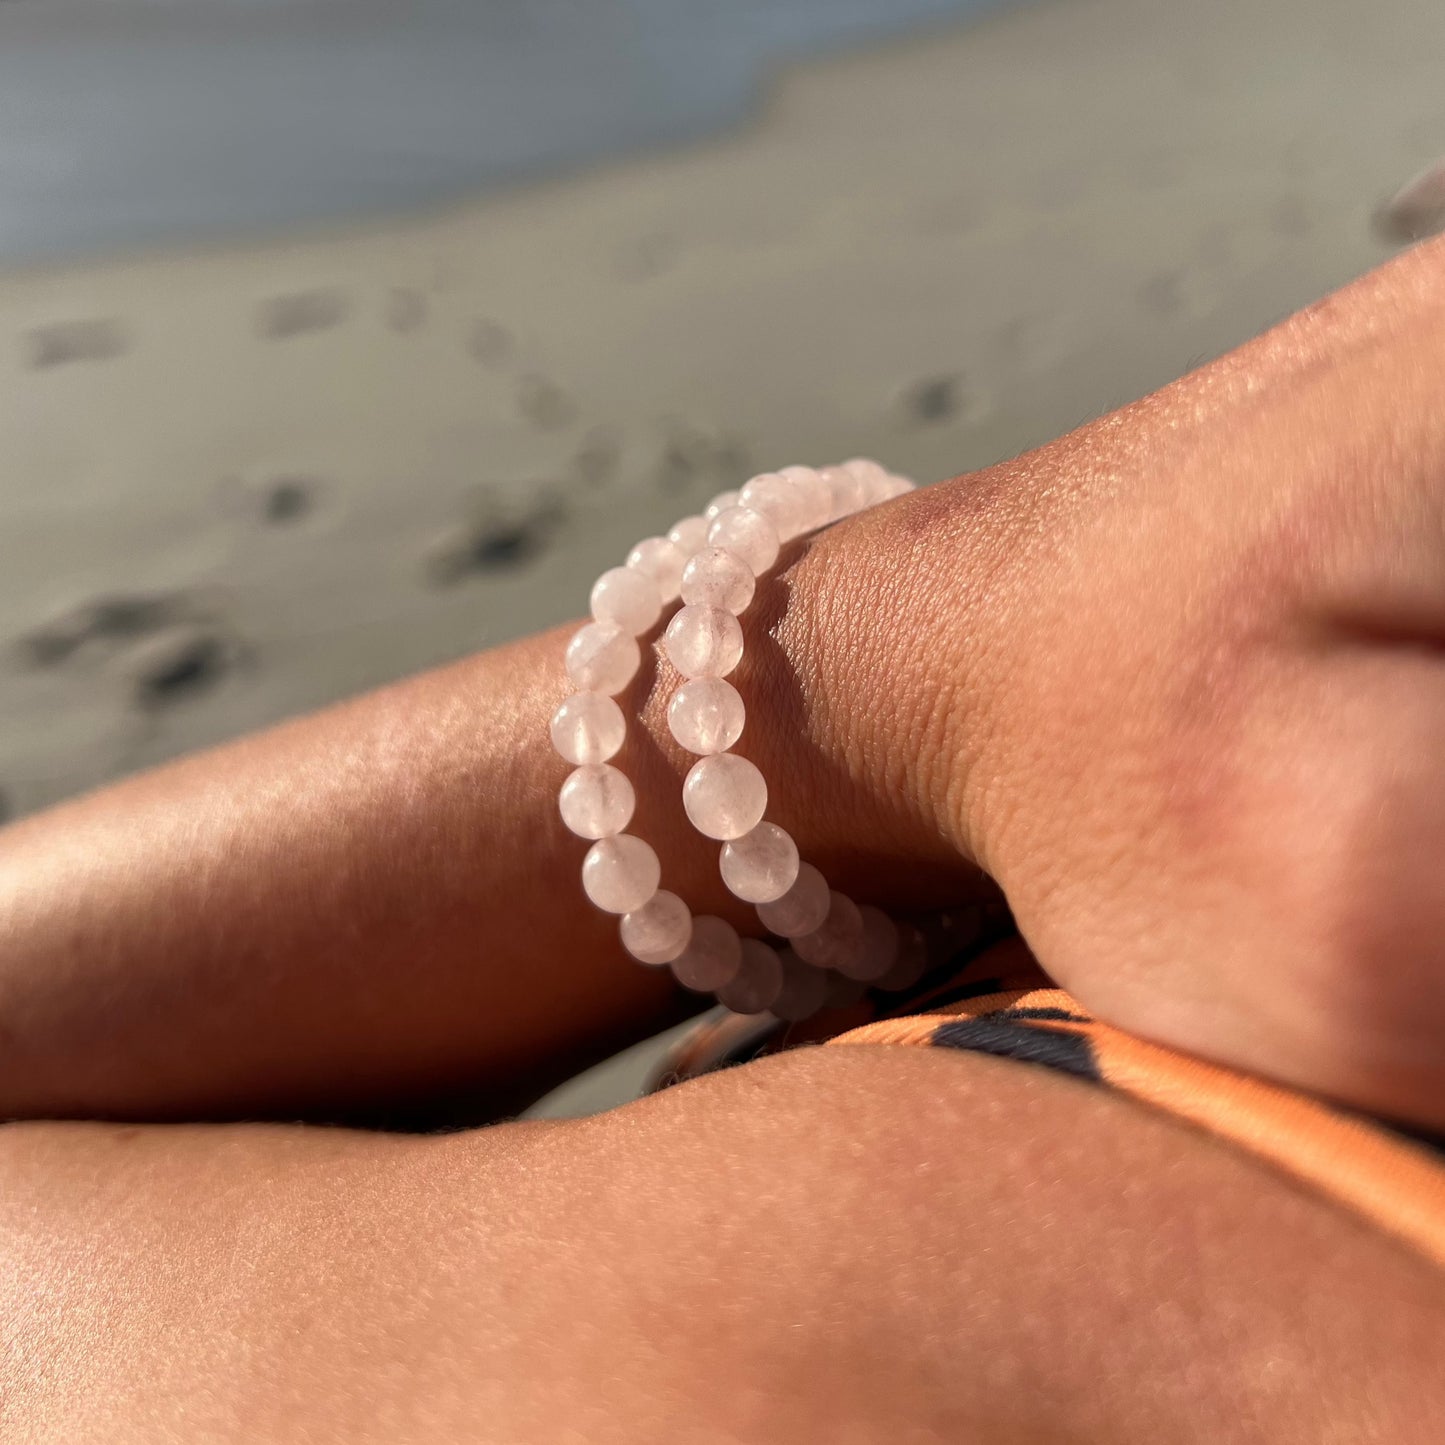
x: 241, y: 481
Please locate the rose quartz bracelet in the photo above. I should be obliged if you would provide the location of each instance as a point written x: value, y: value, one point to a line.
x: 834, y: 948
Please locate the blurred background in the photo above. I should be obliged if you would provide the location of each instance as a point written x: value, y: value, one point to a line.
x: 339, y: 338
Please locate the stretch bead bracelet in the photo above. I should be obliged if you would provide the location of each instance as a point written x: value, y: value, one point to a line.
x: 833, y: 947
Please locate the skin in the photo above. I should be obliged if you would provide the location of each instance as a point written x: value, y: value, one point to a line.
x: 1173, y: 682
x: 762, y: 1255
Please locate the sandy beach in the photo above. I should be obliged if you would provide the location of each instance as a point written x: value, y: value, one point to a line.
x: 244, y: 480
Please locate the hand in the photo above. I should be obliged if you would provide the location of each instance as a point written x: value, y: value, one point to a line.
x: 1176, y: 682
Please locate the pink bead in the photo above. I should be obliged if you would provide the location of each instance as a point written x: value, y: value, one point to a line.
x: 627, y: 597
x: 760, y: 866
x: 758, y: 982
x: 712, y: 957
x: 706, y: 715
x: 659, y: 930
x: 620, y: 874
x: 802, y: 908
x: 703, y: 641
x: 690, y: 535
x: 719, y: 503
x: 746, y: 534
x: 878, y: 491
x: 714, y: 577
x: 911, y: 963
x: 869, y: 472
x: 778, y: 500
x: 873, y: 480
x: 879, y: 950
x: 838, y: 940
x: 815, y: 500
x: 588, y: 728
x: 804, y: 992
x: 661, y: 560
x: 596, y: 801
x: 724, y: 796
x: 603, y: 657
x: 844, y: 490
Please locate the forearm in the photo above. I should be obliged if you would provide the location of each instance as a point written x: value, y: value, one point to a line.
x: 373, y: 902
x: 1085, y: 668
x: 379, y: 902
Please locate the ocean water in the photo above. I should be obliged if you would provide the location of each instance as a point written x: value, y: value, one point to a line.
x: 129, y: 122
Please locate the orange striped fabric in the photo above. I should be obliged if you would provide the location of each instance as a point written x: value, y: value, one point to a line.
x: 1389, y: 1178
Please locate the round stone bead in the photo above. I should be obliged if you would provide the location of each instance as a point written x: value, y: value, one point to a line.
x: 712, y: 958
x: 873, y: 480
x: 746, y: 534
x: 596, y: 801
x: 880, y: 489
x: 662, y: 560
x: 845, y: 492
x: 758, y: 982
x: 588, y: 728
x: 879, y: 948
x: 761, y: 865
x: 659, y: 930
x: 620, y: 874
x: 804, y: 991
x: 802, y: 908
x: 603, y: 657
x: 778, y: 500
x: 911, y: 963
x: 724, y: 796
x: 814, y: 500
x: 627, y: 597
x: 868, y: 471
x: 715, y: 577
x: 719, y: 503
x: 838, y: 940
x: 706, y: 715
x: 703, y: 641
x: 690, y: 534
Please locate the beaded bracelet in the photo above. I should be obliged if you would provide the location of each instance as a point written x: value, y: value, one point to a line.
x: 833, y: 948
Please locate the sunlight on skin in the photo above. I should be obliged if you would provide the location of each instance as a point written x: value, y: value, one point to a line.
x: 762, y: 1255
x: 1173, y: 680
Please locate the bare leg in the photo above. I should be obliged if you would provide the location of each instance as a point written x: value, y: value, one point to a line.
x: 850, y: 1244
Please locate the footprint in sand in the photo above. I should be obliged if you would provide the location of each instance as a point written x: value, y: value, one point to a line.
x: 169, y: 646
x: 63, y: 342
x: 496, y: 539
x: 279, y: 318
